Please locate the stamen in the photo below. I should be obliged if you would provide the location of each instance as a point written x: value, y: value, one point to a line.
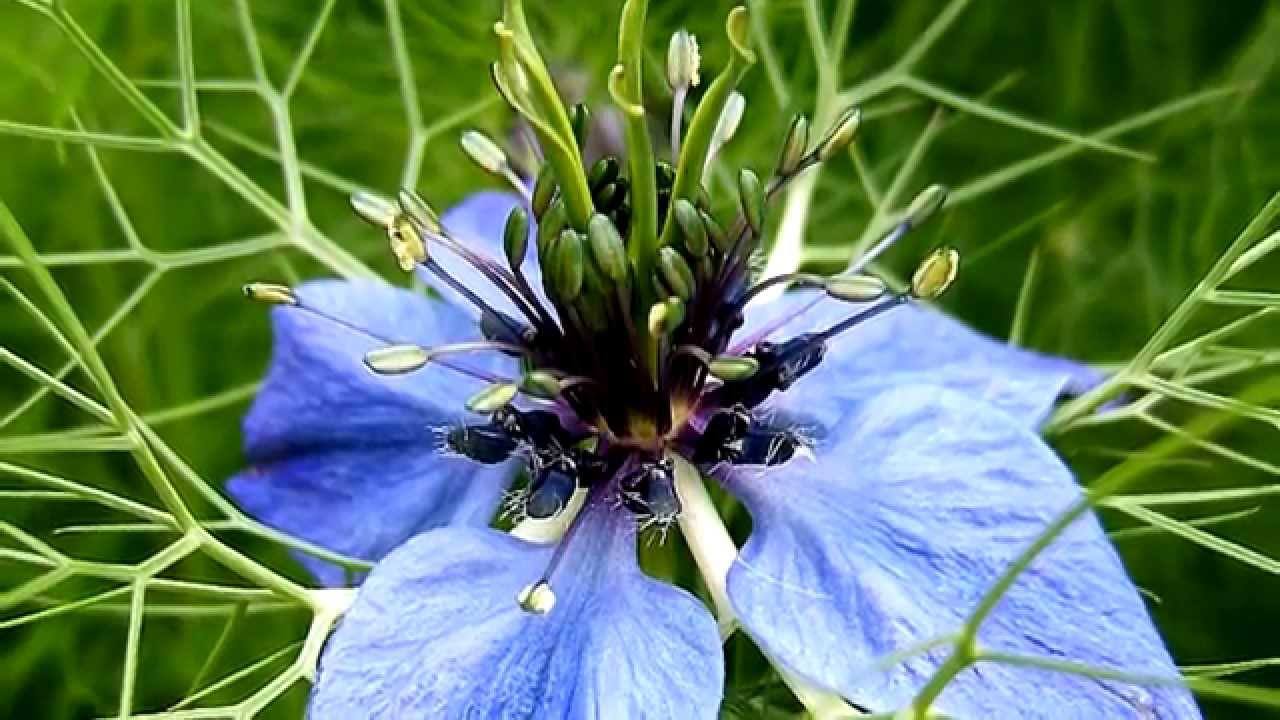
x: 281, y: 295
x: 860, y: 317
x: 399, y: 359
x: 538, y: 598
x: 683, y: 60
x: 729, y: 368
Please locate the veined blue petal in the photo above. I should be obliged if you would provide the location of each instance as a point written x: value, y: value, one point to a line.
x: 919, y: 499
x: 913, y: 344
x: 478, y: 222
x: 435, y: 632
x: 349, y: 459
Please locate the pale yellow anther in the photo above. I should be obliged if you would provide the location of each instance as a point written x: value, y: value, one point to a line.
x: 537, y: 599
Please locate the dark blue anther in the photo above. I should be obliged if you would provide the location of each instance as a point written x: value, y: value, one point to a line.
x: 650, y: 490
x: 551, y: 488
x: 488, y: 443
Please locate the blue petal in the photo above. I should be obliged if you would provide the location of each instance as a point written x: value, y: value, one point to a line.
x: 478, y: 223
x: 919, y: 499
x: 347, y: 459
x: 913, y: 344
x: 435, y: 632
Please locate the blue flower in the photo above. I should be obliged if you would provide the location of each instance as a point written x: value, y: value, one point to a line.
x: 892, y: 472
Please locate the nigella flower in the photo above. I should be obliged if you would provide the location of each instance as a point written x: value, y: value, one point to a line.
x: 887, y: 455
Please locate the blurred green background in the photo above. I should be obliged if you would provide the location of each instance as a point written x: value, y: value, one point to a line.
x: 1116, y: 242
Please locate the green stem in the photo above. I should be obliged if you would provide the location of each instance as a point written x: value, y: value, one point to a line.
x: 642, y: 238
x: 555, y: 131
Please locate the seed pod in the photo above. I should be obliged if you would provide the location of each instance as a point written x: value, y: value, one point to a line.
x: 603, y: 172
x: 682, y: 60
x: 936, y: 273
x: 733, y: 367
x: 374, y: 209
x: 676, y: 273
x: 719, y: 238
x: 270, y: 293
x: 550, y: 225
x: 493, y: 397
x: 855, y: 288
x: 484, y: 152
x: 751, y: 195
x: 692, y: 228
x: 566, y: 268
x: 925, y: 205
x: 665, y: 317
x: 607, y: 248
x: 793, y: 148
x: 842, y: 132
x: 397, y: 359
x: 515, y: 237
x: 544, y: 190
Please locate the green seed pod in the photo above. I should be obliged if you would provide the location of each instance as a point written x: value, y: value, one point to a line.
x: 270, y: 293
x: 540, y: 383
x: 793, y: 148
x: 733, y: 367
x: 515, y: 237
x: 855, y: 288
x: 665, y: 317
x: 676, y: 273
x: 603, y: 172
x: 580, y: 119
x: 936, y: 273
x: 925, y: 205
x: 566, y: 268
x: 492, y: 398
x: 692, y: 228
x: 842, y: 132
x: 544, y: 190
x: 397, y: 359
x: 718, y: 236
x: 751, y: 194
x: 607, y: 248
x: 550, y: 225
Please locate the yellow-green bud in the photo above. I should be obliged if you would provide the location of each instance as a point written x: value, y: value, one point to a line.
x: 515, y: 237
x: 842, y: 133
x: 484, y: 152
x: 607, y: 248
x: 793, y: 148
x: 692, y: 229
x: 733, y: 367
x: 544, y: 190
x: 397, y: 359
x: 665, y: 317
x: 374, y: 209
x: 752, y: 196
x: 855, y: 288
x: 540, y: 383
x: 677, y: 276
x: 492, y: 398
x: 270, y: 293
x: 936, y: 273
x: 925, y: 205
x: 566, y: 269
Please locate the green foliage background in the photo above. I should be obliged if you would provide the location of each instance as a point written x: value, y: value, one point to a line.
x: 1082, y: 252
